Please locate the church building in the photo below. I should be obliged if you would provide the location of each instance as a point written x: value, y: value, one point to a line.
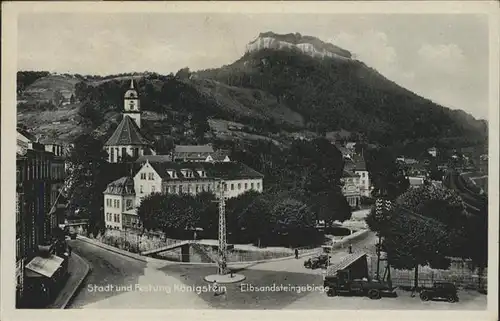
x: 127, y: 140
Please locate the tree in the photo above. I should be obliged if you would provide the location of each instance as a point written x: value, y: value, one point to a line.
x: 150, y: 209
x: 176, y: 214
x: 88, y: 175
x: 293, y: 220
x: 254, y: 219
x: 386, y: 175
x: 58, y: 98
x: 237, y: 213
x: 426, y: 226
x: 183, y: 73
x: 320, y: 167
x: 206, y: 214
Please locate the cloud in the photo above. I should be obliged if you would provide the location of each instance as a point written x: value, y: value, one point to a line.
x: 440, y: 72
x: 443, y: 57
x: 372, y: 47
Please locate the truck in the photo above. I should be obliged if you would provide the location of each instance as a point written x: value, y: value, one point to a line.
x: 374, y: 289
x: 350, y: 277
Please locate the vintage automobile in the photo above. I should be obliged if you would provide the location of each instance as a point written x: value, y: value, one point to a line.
x: 320, y: 261
x: 441, y: 290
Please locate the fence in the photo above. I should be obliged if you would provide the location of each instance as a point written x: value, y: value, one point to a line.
x: 137, y: 242
x: 459, y: 274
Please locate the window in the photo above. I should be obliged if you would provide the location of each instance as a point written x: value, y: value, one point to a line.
x: 232, y: 187
x: 151, y: 176
x: 246, y: 186
x: 118, y: 204
x: 153, y: 189
x: 18, y: 248
x: 258, y: 185
x: 208, y: 188
x: 129, y: 204
x: 180, y: 188
x: 197, y: 188
x: 239, y: 186
x: 143, y: 175
x: 117, y: 218
x: 141, y: 189
x: 225, y: 187
x: 174, y: 189
x: 189, y: 189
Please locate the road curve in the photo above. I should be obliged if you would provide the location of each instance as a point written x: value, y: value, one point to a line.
x: 107, y: 268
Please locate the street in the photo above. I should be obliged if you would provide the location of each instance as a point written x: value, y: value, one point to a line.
x: 107, y: 268
x: 117, y: 281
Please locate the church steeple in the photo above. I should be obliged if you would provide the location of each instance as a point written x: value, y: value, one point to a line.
x: 131, y: 104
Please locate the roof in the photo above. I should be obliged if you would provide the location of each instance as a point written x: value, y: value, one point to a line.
x: 343, y: 150
x: 220, y: 155
x: 416, y: 181
x: 225, y: 170
x: 345, y: 262
x: 360, y: 165
x: 193, y: 149
x: 31, y: 137
x: 131, y: 93
x: 231, y: 170
x: 346, y: 174
x: 45, y: 266
x: 127, y: 133
x: 154, y: 158
x: 122, y: 186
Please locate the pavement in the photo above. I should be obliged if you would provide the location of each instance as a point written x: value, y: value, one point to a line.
x: 469, y: 300
x: 125, y: 282
x: 78, y: 270
x: 364, y: 243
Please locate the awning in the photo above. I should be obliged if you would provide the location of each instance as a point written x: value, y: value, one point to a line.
x: 43, y: 266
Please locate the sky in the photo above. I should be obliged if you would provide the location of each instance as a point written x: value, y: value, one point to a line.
x: 443, y: 57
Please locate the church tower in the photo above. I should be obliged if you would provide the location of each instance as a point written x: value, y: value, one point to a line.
x: 127, y: 142
x: 131, y: 104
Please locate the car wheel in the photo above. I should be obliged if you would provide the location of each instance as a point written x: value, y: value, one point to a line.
x: 331, y: 292
x: 374, y: 294
x: 452, y: 299
x: 424, y: 296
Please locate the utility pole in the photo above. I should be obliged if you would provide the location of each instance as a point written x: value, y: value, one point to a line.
x: 379, y: 213
x: 222, y: 261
